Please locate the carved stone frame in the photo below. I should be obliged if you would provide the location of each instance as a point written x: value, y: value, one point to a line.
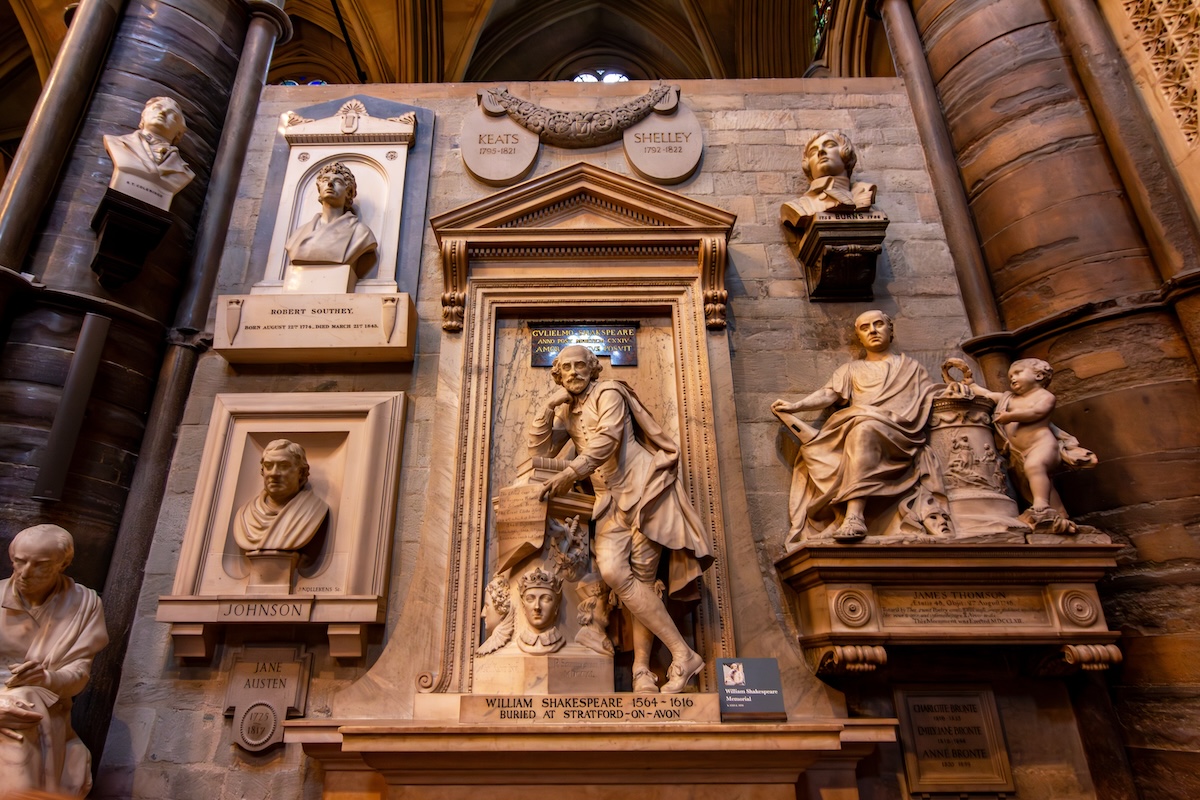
x: 369, y: 429
x: 570, y: 242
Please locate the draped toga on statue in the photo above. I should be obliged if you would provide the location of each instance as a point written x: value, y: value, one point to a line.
x: 888, y: 405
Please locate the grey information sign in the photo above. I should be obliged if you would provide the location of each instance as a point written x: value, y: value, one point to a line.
x: 750, y: 690
x: 615, y: 339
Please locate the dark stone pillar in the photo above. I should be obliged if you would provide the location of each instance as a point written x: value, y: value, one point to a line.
x: 189, y: 50
x: 1077, y: 284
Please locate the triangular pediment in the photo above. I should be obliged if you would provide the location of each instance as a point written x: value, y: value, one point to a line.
x: 582, y: 197
x: 583, y: 215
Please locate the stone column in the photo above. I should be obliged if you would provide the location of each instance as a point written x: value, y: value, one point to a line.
x: 1077, y: 284
x: 185, y: 341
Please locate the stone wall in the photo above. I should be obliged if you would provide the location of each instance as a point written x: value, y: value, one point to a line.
x: 169, y: 737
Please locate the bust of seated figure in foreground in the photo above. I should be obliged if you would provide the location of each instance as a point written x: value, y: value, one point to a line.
x: 50, y: 630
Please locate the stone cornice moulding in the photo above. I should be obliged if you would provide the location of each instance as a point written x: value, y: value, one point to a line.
x: 584, y: 212
x: 577, y: 129
x: 352, y: 124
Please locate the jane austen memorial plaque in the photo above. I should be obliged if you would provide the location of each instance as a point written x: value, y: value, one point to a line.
x: 559, y: 709
x: 618, y: 340
x: 976, y: 606
x: 952, y: 740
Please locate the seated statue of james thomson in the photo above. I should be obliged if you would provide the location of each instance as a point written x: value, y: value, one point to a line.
x: 288, y: 513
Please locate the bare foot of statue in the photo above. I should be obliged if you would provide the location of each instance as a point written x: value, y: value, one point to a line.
x: 644, y: 682
x: 853, y: 529
x: 679, y: 674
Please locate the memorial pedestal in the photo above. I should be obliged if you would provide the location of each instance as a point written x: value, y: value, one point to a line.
x: 127, y: 229
x: 839, y: 251
x: 855, y: 601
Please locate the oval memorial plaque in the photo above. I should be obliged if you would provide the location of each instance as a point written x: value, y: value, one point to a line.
x: 665, y: 148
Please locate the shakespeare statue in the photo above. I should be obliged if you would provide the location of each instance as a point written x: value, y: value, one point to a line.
x: 50, y: 631
x: 1036, y: 448
x: 287, y: 514
x: 640, y: 506
x: 868, y: 468
x: 828, y: 163
x: 146, y: 163
x: 335, y: 235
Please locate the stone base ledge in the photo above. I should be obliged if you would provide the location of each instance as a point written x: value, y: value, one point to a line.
x: 421, y: 753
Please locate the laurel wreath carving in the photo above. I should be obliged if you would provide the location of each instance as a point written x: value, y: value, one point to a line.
x: 575, y: 129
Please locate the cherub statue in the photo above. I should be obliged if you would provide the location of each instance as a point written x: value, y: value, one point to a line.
x: 1035, y: 446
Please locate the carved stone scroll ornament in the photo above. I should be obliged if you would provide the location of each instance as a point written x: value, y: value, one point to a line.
x: 843, y: 659
x: 578, y: 129
x: 1072, y: 658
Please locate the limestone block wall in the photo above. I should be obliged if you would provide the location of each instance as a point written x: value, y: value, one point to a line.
x: 169, y: 737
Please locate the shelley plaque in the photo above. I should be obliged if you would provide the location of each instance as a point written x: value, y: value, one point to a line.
x: 952, y: 740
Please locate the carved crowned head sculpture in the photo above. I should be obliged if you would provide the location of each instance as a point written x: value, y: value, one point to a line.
x: 541, y: 596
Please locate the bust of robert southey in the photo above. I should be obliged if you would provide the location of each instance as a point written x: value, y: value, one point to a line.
x: 335, y: 235
x: 146, y: 162
x: 287, y: 514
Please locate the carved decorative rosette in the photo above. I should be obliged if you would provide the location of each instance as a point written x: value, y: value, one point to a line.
x: 1078, y: 607
x: 852, y: 608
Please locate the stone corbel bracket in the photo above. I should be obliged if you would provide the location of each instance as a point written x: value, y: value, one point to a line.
x: 839, y: 252
x: 578, y: 129
x: 845, y: 659
x: 584, y: 217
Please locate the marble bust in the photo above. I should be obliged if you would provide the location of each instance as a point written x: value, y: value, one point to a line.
x: 287, y: 514
x: 146, y: 162
x: 828, y: 163
x: 499, y: 616
x: 869, y: 467
x: 50, y: 630
x: 541, y: 598
x: 335, y: 235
